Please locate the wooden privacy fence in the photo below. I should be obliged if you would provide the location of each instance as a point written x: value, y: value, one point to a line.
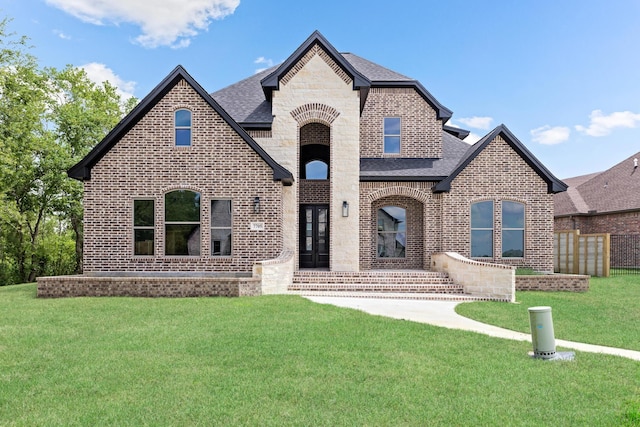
x: 575, y: 253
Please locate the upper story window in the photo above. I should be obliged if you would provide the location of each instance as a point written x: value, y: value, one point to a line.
x: 316, y: 169
x: 392, y: 232
x: 512, y: 229
x: 143, y: 227
x: 182, y: 223
x: 482, y: 229
x: 182, y: 119
x: 392, y: 135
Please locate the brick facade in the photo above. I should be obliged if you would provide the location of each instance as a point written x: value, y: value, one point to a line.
x: 498, y: 173
x: 612, y: 223
x: 420, y: 133
x: 145, y: 163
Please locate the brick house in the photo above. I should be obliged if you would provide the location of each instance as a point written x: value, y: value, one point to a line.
x: 602, y: 202
x: 327, y: 162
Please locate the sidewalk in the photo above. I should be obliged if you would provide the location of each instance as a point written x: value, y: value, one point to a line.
x: 442, y: 313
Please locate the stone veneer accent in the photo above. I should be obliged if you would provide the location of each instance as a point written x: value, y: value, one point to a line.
x: 146, y: 164
x: 316, y: 80
x: 275, y: 274
x: 498, y: 173
x: 553, y: 283
x: 420, y: 133
x: 481, y: 279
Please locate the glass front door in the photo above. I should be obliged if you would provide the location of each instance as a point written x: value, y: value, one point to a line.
x: 314, y: 236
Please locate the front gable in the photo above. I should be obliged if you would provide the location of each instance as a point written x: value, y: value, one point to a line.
x: 554, y: 185
x: 178, y: 76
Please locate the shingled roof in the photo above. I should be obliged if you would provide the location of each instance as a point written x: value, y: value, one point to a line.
x: 615, y: 190
x: 249, y: 100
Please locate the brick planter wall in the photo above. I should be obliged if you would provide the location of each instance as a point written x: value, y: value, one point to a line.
x: 92, y: 286
x: 553, y: 282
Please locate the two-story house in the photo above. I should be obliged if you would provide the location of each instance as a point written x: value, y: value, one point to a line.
x: 327, y: 162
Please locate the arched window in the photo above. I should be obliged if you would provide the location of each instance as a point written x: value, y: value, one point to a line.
x: 512, y: 229
x: 316, y: 169
x: 182, y: 223
x: 183, y: 128
x: 392, y: 232
x: 482, y: 229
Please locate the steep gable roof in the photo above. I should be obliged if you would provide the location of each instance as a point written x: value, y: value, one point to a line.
x: 554, y: 185
x: 249, y: 100
x: 272, y: 81
x: 615, y: 190
x: 82, y: 170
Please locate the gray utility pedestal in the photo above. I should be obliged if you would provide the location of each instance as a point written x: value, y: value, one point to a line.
x: 542, y: 337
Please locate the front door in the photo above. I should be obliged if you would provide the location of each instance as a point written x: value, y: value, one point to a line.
x: 314, y: 236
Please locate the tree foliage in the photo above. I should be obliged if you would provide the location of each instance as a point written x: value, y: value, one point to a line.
x: 49, y: 119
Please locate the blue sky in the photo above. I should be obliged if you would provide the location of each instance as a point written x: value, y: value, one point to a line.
x: 564, y: 76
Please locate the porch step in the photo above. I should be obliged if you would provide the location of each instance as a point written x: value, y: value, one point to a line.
x: 392, y: 295
x: 396, y: 284
x: 384, y: 277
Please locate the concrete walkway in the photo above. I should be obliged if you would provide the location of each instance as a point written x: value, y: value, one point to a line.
x: 442, y: 313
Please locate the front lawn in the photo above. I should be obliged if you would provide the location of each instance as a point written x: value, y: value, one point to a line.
x: 608, y: 314
x: 281, y: 360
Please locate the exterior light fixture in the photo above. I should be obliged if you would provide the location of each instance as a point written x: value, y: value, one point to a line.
x: 256, y: 205
x: 345, y: 209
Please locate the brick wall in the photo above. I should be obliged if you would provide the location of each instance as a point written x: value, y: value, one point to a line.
x: 147, y: 164
x: 423, y: 231
x: 498, y: 173
x: 614, y: 223
x: 421, y: 132
x: 553, y: 282
x: 314, y: 191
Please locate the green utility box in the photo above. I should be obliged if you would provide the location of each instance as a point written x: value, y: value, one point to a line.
x: 542, y: 338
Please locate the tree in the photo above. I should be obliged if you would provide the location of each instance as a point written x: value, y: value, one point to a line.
x: 49, y: 120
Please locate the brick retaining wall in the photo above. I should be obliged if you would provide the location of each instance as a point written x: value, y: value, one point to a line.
x: 553, y: 282
x: 92, y: 286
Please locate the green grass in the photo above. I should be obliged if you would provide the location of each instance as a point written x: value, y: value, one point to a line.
x: 608, y: 314
x: 281, y: 360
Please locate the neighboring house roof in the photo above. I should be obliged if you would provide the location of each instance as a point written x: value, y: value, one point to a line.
x: 411, y: 169
x: 554, y: 185
x: 615, y: 190
x: 82, y: 170
x: 249, y: 101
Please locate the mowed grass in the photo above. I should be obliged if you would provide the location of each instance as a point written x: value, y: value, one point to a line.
x: 281, y: 360
x: 608, y: 314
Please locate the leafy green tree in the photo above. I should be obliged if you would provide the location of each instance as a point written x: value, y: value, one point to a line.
x: 49, y: 119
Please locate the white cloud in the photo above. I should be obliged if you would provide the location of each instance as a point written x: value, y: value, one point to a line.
x: 268, y: 63
x: 477, y: 122
x: 548, y: 135
x: 163, y: 22
x: 472, y: 138
x: 99, y: 73
x: 601, y: 125
x: 61, y: 35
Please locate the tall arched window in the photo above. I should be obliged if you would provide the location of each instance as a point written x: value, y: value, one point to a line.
x: 182, y: 128
x: 182, y: 223
x: 392, y: 232
x: 482, y: 229
x: 512, y: 229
